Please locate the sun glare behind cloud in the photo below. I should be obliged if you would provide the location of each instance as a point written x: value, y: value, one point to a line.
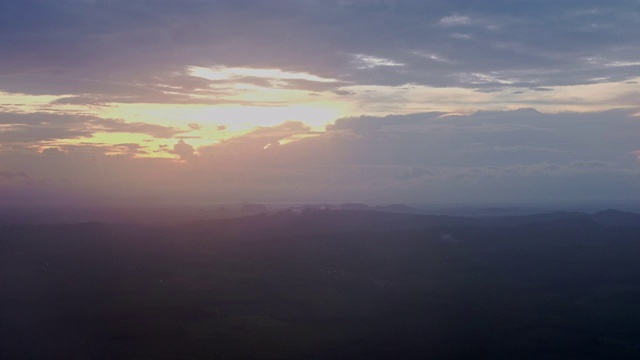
x: 401, y: 95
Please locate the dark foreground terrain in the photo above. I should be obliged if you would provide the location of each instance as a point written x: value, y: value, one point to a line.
x: 325, y: 284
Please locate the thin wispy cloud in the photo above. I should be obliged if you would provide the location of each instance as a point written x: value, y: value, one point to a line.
x: 370, y: 62
x: 454, y: 20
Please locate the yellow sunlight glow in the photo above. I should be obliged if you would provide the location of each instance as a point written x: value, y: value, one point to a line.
x: 214, y: 123
x: 236, y: 118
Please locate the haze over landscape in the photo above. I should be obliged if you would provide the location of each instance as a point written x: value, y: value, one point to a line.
x: 319, y: 179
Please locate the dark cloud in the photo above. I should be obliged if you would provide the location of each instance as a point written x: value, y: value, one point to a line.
x: 131, y: 148
x: 521, y: 155
x: 184, y: 150
x: 35, y: 127
x: 157, y: 131
x: 491, y: 138
x: 129, y: 51
x: 256, y: 141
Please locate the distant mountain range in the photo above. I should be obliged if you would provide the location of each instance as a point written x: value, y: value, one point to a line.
x: 347, y: 216
x: 344, y: 218
x: 608, y: 217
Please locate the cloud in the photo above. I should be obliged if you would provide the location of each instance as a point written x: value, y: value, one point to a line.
x: 184, y: 150
x: 489, y: 156
x: 118, y: 51
x: 157, y: 131
x: 35, y: 127
x: 8, y: 176
x: 130, y: 148
x: 228, y: 73
x: 255, y: 142
x: 370, y: 62
x: 420, y: 60
x: 454, y: 20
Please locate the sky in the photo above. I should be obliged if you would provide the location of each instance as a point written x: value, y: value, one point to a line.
x: 375, y: 101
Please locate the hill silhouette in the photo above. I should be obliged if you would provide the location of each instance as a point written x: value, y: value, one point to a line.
x: 324, y: 283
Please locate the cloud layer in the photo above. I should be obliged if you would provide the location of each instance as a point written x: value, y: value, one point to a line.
x: 199, y: 100
x: 125, y: 51
x: 521, y: 155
